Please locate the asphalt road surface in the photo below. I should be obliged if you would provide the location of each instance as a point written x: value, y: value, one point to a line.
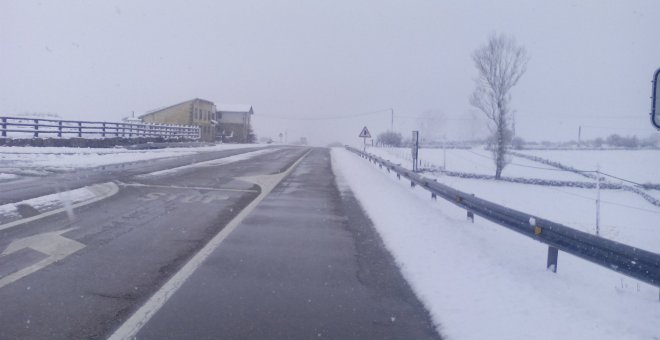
x: 262, y: 247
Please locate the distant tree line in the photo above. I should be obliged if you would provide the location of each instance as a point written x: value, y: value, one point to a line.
x: 612, y: 141
x: 389, y: 138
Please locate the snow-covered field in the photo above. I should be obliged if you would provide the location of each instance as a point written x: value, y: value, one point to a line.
x: 36, y: 160
x: 640, y: 166
x: 483, y: 281
x: 476, y: 161
x: 625, y: 216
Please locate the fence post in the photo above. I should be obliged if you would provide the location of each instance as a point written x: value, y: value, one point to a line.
x: 36, y: 128
x: 470, y: 214
x: 103, y: 130
x: 4, y: 127
x: 80, y: 129
x: 59, y: 129
x: 553, y: 253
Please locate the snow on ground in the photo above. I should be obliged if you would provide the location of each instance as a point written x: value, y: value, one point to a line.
x: 6, y: 177
x: 625, y: 216
x: 59, y: 200
x: 477, y: 161
x: 483, y: 281
x: 22, y: 160
x: 640, y: 166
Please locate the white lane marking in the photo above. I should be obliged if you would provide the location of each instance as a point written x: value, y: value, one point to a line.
x: 130, y: 328
x: 53, y: 244
x: 213, y: 162
x: 101, y: 191
x: 181, y: 187
x: 206, y: 198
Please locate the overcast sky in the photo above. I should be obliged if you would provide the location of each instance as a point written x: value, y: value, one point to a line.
x: 300, y: 63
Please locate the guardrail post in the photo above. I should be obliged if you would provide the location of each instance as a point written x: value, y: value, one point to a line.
x: 36, y: 128
x: 553, y: 253
x: 80, y: 129
x: 4, y: 127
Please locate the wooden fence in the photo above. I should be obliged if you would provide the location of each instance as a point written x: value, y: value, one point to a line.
x: 36, y: 127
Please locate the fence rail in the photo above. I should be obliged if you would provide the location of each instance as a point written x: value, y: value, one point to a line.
x: 633, y: 262
x: 37, y: 127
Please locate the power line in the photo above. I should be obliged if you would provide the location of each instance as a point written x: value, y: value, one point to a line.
x: 574, y: 194
x: 606, y: 202
x: 614, y: 128
x: 621, y: 179
x: 361, y: 114
x: 533, y: 167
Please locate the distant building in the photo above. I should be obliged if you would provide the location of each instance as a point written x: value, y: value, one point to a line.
x: 234, y: 122
x: 199, y: 112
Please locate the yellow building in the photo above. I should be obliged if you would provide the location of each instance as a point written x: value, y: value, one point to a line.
x: 198, y: 112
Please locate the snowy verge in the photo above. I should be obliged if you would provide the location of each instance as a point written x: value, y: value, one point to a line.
x: 22, y: 160
x: 12, y: 214
x: 484, y: 281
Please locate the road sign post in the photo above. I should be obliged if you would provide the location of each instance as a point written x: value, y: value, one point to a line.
x: 364, y: 135
x: 414, y: 149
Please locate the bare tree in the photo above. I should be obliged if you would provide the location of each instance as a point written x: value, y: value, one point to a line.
x: 500, y: 64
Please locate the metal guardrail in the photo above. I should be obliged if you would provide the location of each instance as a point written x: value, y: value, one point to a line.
x: 51, y: 127
x: 633, y: 262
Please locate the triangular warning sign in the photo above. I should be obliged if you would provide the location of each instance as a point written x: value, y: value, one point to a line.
x: 365, y: 133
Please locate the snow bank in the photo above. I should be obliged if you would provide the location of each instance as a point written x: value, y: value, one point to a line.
x: 484, y: 281
x: 19, y: 159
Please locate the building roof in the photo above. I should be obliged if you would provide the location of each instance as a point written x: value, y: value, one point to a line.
x: 177, y: 104
x: 234, y: 108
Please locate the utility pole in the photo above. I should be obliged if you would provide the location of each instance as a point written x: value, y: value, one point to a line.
x: 598, y: 199
x: 444, y: 153
x: 579, y: 135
